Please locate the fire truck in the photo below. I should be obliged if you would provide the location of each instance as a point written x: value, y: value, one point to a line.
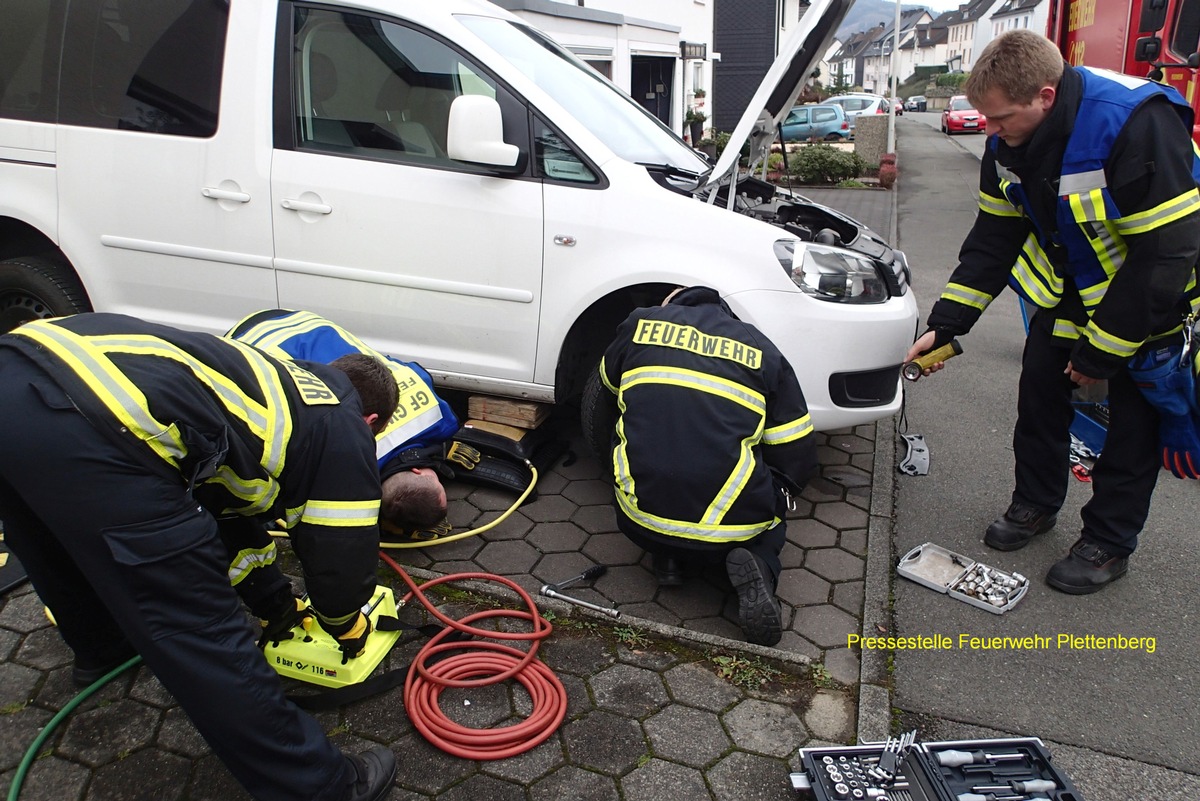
x: 1155, y: 39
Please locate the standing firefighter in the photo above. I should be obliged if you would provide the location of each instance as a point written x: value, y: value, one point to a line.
x: 130, y: 450
x: 1089, y: 210
x: 712, y: 436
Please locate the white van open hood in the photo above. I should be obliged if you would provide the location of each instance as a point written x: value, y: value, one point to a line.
x: 782, y: 85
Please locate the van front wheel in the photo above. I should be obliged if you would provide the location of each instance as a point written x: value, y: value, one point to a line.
x: 597, y: 415
x: 34, y: 288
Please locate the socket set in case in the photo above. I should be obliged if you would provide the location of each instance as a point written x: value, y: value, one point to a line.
x: 975, y: 583
x: 901, y: 769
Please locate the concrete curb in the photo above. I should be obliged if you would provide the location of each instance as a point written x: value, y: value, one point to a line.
x: 874, y: 679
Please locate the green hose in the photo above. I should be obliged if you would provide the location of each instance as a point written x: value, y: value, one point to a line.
x: 19, y: 777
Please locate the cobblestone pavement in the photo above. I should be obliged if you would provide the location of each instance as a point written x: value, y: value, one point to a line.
x: 646, y: 720
x: 572, y: 526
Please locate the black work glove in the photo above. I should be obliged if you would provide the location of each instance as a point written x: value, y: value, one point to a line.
x: 942, y: 336
x: 278, y: 625
x: 354, y: 641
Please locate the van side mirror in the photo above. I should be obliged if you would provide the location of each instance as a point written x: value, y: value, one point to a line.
x: 1147, y: 48
x: 1154, y: 16
x: 1194, y: 60
x: 475, y: 133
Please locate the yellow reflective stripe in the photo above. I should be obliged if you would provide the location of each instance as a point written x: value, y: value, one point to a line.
x: 291, y: 517
x: 967, y: 296
x: 788, y: 432
x: 735, y: 483
x: 230, y: 394
x: 621, y: 472
x: 604, y: 378
x: 278, y: 431
x: 1110, y: 251
x: 122, y: 398
x: 998, y: 206
x: 271, y: 421
x: 1091, y: 296
x: 693, y: 379
x: 1065, y: 329
x: 1108, y: 343
x: 1171, y: 210
x: 249, y: 559
x: 259, y: 494
x: 1035, y: 274
x: 1087, y: 205
x: 690, y: 531
x: 347, y: 514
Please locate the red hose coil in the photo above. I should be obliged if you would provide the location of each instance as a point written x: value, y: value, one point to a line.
x: 480, y: 663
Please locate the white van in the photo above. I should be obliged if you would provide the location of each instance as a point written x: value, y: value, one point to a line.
x: 438, y: 177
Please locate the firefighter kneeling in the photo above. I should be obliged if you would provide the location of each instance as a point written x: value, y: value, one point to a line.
x: 712, y: 437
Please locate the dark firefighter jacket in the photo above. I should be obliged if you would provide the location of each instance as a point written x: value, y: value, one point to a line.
x: 1142, y: 225
x: 712, y: 421
x: 255, y: 436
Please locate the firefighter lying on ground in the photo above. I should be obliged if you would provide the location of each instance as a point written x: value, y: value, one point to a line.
x: 413, y: 497
x: 163, y: 440
x: 712, y: 436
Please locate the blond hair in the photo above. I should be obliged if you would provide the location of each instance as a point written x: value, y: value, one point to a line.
x: 1018, y: 63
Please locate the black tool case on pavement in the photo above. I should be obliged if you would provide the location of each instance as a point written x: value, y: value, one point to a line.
x: 939, y: 771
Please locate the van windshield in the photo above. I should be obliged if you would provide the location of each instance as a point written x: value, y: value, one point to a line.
x: 611, y: 115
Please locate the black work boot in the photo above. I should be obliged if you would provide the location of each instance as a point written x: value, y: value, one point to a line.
x: 1019, y: 525
x: 758, y: 611
x: 375, y: 771
x: 1086, y: 568
x: 667, y: 570
x: 90, y: 669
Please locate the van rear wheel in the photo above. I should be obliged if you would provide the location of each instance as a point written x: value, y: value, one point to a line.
x: 34, y: 288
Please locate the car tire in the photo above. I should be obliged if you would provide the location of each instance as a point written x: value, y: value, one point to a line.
x: 597, y: 418
x: 34, y: 288
x: 832, y: 137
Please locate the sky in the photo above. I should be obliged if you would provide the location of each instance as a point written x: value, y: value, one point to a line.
x: 938, y: 5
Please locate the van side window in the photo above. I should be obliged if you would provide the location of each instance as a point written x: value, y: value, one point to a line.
x: 377, y: 89
x: 30, y: 43
x: 144, y: 65
x: 555, y: 158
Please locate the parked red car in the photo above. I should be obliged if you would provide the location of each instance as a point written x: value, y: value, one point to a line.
x: 961, y: 117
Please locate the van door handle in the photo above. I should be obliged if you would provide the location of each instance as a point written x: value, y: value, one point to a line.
x: 303, y: 205
x: 224, y: 194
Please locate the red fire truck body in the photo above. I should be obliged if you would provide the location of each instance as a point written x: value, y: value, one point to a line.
x: 1155, y: 39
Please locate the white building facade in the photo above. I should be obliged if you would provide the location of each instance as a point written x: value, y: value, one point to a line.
x: 659, y: 51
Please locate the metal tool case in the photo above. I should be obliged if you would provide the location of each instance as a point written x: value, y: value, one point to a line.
x: 1005, y: 769
x: 963, y: 578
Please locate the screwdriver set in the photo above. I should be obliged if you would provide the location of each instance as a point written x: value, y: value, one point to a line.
x: 902, y: 769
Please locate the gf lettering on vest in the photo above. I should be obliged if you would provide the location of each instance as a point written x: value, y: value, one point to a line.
x: 312, y: 389
x: 685, y: 337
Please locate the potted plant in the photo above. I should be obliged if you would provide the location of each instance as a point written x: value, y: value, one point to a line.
x: 695, y: 121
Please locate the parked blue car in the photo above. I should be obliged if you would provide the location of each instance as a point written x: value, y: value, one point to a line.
x: 823, y: 121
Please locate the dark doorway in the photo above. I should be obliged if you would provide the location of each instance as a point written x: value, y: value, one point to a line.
x: 651, y: 80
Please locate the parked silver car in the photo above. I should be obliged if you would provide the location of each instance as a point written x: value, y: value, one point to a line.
x: 859, y: 103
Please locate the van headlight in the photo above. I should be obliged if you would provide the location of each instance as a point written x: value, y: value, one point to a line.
x: 829, y: 273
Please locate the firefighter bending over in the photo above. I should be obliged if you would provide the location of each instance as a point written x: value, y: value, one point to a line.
x: 163, y: 442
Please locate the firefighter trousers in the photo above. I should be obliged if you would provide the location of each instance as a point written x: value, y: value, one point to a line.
x: 117, y: 548
x: 1124, y: 476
